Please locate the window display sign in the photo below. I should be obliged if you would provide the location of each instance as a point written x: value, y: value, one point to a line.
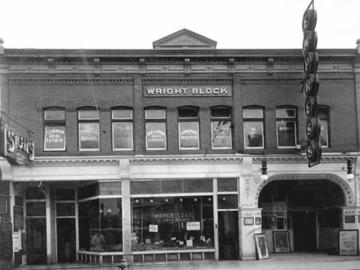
x: 16, y: 149
x: 348, y: 242
x: 193, y: 226
x: 122, y: 136
x: 221, y: 134
x: 54, y: 138
x: 89, y: 136
x: 189, y: 135
x: 176, y: 91
x: 153, y: 228
x: 155, y: 136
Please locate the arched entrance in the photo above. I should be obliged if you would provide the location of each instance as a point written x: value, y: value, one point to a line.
x: 307, y: 212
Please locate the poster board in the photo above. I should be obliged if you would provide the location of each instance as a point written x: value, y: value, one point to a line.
x: 262, y: 250
x: 281, y: 241
x: 348, y: 242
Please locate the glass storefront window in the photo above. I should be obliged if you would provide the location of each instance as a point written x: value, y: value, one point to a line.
x: 100, y: 221
x: 228, y: 201
x: 172, y: 223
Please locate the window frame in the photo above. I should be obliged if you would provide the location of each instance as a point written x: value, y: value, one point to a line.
x: 220, y: 118
x: 95, y: 120
x: 54, y: 123
x: 189, y: 119
x: 286, y: 119
x: 115, y: 120
x: 162, y: 120
x: 254, y: 120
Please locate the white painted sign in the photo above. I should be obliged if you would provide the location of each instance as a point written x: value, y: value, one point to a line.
x: 193, y: 226
x: 153, y: 228
x: 16, y: 241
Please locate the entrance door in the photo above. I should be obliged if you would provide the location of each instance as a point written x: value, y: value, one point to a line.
x: 304, y: 226
x: 36, y: 240
x: 65, y: 239
x: 228, y: 235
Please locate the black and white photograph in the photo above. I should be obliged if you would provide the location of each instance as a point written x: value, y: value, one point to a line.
x: 164, y: 134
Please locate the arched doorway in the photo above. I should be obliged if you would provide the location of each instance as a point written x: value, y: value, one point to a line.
x: 307, y: 212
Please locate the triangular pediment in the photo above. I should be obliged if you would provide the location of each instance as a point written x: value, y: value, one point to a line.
x: 184, y: 39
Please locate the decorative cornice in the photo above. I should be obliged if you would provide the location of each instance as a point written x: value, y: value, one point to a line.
x: 185, y: 159
x: 71, y: 81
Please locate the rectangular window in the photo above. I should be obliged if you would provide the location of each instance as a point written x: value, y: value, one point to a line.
x: 221, y: 128
x: 122, y: 130
x: 324, y: 125
x: 155, y: 128
x: 286, y: 127
x: 188, y: 128
x: 253, y: 128
x: 89, y: 130
x: 54, y: 130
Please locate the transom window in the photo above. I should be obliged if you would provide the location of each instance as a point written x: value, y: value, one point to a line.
x: 89, y: 129
x: 221, y: 128
x: 188, y: 128
x: 253, y: 128
x: 155, y: 129
x: 122, y: 129
x: 54, y: 129
x: 286, y: 119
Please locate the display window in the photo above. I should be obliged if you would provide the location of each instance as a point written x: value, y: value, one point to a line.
x: 169, y: 223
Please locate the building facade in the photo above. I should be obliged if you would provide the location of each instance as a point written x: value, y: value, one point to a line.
x: 181, y: 152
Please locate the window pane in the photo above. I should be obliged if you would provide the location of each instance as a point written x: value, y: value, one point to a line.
x: 253, y: 134
x: 54, y: 115
x: 227, y: 184
x: 172, y: 223
x: 188, y: 112
x: 65, y: 209
x: 155, y: 114
x: 54, y: 138
x: 88, y: 114
x: 324, y: 134
x: 228, y: 201
x: 89, y: 136
x: 189, y: 135
x: 35, y: 209
x: 110, y: 188
x: 221, y: 134
x: 286, y: 113
x: 155, y: 136
x: 89, y: 222
x: 65, y: 194
x: 122, y: 114
x: 32, y: 193
x: 122, y: 136
x: 221, y: 112
x: 253, y: 113
x: 286, y: 133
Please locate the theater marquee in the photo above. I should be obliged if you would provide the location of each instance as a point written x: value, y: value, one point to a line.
x: 200, y: 91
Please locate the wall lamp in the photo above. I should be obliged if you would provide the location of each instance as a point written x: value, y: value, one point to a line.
x: 264, y: 175
x: 350, y: 174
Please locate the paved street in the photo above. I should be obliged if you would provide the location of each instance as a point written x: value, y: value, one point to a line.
x: 290, y: 261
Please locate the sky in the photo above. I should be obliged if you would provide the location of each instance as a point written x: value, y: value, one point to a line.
x: 135, y: 24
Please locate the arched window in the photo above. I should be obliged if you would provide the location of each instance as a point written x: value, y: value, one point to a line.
x: 221, y: 127
x: 188, y: 127
x: 122, y: 129
x: 286, y: 122
x: 89, y: 129
x: 54, y: 129
x: 254, y: 137
x: 155, y: 128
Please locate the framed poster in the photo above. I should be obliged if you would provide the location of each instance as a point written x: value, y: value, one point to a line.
x: 281, y: 241
x: 348, y: 242
x: 262, y: 251
x: 248, y: 221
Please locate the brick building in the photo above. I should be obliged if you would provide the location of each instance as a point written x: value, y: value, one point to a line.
x: 181, y: 152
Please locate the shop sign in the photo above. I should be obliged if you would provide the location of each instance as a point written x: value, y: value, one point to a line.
x: 189, y: 135
x: 17, y: 149
x: 178, y: 91
x: 16, y: 241
x: 193, y: 226
x: 156, y: 139
x: 153, y: 228
x: 221, y: 134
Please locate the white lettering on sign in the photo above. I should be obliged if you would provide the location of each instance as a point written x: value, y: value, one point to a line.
x: 188, y: 91
x: 18, y: 148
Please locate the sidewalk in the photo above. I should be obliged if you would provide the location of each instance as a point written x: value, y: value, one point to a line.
x: 290, y: 261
